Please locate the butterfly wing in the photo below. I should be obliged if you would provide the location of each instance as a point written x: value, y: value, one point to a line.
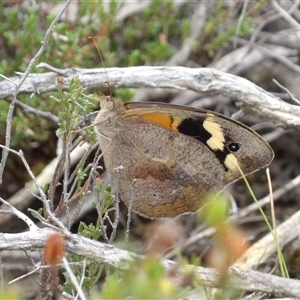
x: 166, y: 158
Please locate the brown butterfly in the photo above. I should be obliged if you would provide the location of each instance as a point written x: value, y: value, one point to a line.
x: 166, y: 158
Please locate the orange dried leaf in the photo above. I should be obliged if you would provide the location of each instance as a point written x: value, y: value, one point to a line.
x: 54, y: 249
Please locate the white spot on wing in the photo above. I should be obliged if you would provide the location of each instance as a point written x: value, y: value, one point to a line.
x: 231, y: 162
x: 217, y: 139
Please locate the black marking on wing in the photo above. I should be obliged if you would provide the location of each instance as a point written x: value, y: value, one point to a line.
x: 194, y: 128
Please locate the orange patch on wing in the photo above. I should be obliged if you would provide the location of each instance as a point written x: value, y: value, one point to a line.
x: 163, y: 119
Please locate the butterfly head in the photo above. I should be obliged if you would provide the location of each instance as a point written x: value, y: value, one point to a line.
x: 106, y: 103
x: 108, y: 117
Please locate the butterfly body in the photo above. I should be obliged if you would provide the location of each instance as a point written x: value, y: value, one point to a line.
x: 166, y: 158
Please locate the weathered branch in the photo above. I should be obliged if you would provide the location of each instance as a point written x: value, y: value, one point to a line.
x: 248, y: 96
x: 76, y: 244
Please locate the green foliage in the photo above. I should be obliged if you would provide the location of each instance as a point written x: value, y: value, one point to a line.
x: 91, y: 271
x: 10, y: 294
x: 27, y: 128
x: 222, y: 26
x: 260, y: 5
x: 216, y: 210
x: 108, y: 199
x: 90, y: 231
x: 73, y: 106
x: 124, y: 94
x: 94, y: 231
x: 143, y: 279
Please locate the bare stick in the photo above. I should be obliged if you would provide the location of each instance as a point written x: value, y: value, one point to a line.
x: 25, y: 275
x: 286, y: 15
x: 239, y: 24
x: 31, y: 110
x: 287, y: 91
x: 79, y: 245
x: 20, y: 215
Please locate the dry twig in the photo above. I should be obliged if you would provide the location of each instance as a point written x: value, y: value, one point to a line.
x: 76, y: 244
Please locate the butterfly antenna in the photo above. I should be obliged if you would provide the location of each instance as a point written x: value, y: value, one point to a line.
x: 102, y: 61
